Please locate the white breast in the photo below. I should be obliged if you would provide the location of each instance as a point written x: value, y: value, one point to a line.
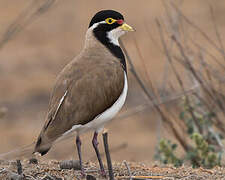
x: 98, y: 123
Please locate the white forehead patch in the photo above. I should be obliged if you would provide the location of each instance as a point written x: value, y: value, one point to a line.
x: 96, y: 24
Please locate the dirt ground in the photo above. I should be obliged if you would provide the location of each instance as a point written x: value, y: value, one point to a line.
x: 51, y: 170
x: 30, y: 61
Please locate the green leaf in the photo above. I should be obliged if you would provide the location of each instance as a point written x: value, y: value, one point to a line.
x: 182, y: 115
x: 174, y: 146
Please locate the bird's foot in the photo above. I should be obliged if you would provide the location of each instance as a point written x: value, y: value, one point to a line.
x: 103, y: 173
x: 83, y: 175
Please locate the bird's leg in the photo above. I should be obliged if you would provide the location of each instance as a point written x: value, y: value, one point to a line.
x: 78, y: 143
x: 95, y: 145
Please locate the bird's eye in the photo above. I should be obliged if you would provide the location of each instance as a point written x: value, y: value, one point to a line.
x: 110, y: 20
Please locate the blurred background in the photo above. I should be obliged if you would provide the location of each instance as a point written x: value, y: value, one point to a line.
x: 38, y: 38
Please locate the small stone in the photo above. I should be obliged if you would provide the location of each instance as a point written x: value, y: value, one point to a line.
x: 33, y: 161
x: 48, y: 177
x: 14, y: 176
x: 70, y: 164
x: 19, y: 167
x: 90, y: 177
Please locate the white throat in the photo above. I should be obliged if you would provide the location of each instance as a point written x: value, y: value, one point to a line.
x: 114, y: 35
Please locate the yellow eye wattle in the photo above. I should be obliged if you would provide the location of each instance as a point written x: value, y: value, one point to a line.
x: 110, y: 20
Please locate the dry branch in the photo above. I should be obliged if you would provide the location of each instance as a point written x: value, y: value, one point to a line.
x: 33, y: 11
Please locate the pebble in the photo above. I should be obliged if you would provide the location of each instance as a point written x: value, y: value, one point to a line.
x: 70, y: 164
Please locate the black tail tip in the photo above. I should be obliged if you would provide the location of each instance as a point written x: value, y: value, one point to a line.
x: 44, y: 152
x: 37, y: 148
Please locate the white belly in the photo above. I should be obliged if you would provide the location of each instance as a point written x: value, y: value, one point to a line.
x: 98, y: 123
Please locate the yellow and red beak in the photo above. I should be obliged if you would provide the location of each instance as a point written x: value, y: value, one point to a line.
x: 124, y: 26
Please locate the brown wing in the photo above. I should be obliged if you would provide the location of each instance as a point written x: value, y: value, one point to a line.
x: 89, y: 88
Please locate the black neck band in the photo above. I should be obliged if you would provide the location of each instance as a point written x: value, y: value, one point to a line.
x: 114, y: 49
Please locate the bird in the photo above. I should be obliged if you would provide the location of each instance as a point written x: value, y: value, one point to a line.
x: 91, y: 89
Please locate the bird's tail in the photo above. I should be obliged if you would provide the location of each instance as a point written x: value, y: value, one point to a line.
x: 42, y: 145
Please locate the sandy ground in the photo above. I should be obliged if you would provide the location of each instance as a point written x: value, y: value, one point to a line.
x: 51, y: 170
x: 30, y: 61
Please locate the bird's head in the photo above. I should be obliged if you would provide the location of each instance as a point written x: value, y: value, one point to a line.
x: 108, y: 26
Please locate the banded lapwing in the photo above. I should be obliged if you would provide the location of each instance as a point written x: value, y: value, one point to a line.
x: 92, y: 88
